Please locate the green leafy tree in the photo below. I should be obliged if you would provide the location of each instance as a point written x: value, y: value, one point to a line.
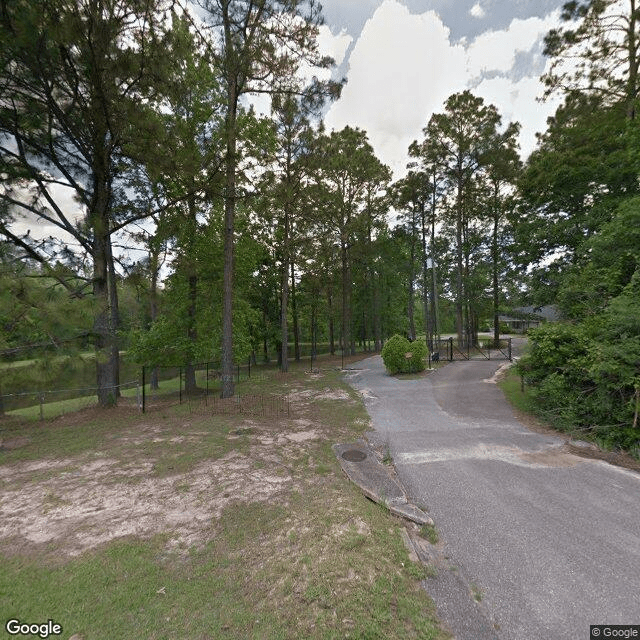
x: 411, y: 198
x: 502, y: 167
x: 459, y: 141
x: 346, y: 171
x: 583, y: 167
x: 597, y: 54
x: 284, y: 200
x: 433, y: 178
x: 73, y: 75
x: 189, y: 173
x: 258, y: 47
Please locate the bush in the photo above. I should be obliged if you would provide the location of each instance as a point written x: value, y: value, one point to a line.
x: 401, y: 356
x: 585, y: 375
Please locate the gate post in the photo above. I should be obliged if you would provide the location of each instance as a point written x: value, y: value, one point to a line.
x: 450, y: 349
x: 510, y: 358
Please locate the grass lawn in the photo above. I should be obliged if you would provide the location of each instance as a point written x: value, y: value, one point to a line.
x: 180, y: 524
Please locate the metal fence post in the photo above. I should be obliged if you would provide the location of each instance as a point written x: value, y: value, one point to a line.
x: 143, y: 392
x: 510, y: 354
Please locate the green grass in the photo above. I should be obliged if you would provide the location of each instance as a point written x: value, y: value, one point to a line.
x: 430, y: 532
x: 511, y: 385
x: 53, y: 409
x: 318, y: 562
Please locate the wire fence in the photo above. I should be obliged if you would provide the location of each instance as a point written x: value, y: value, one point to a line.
x: 49, y: 403
x: 156, y: 386
x: 193, y: 380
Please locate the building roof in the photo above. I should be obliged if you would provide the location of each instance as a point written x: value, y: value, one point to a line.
x: 550, y: 313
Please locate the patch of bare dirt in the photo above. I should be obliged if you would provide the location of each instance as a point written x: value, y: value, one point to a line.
x: 78, y: 510
x: 78, y: 503
x: 325, y: 394
x: 8, y: 444
x: 616, y: 458
x: 550, y: 457
x: 70, y: 505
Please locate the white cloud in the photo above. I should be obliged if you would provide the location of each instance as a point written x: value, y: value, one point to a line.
x: 496, y: 50
x: 334, y: 45
x: 401, y: 70
x: 477, y: 11
x: 516, y: 101
x: 40, y: 229
x: 404, y: 66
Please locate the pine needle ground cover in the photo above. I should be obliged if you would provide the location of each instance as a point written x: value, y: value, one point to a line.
x: 182, y: 524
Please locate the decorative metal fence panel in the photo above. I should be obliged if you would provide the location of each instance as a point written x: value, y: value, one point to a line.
x: 450, y: 349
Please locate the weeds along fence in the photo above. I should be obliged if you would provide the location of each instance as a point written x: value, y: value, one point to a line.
x: 202, y: 383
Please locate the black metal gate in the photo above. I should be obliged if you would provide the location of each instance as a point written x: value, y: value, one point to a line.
x: 451, y: 349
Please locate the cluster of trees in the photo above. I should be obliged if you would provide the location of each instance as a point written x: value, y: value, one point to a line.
x: 579, y: 233
x: 129, y: 122
x: 113, y: 113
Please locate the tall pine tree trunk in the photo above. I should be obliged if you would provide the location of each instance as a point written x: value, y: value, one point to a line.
x: 332, y: 340
x: 494, y: 259
x: 428, y: 319
x: 105, y: 344
x: 192, y: 305
x: 284, y: 297
x: 434, y: 277
x: 115, y: 318
x: 229, y: 221
x: 105, y: 340
x: 153, y: 304
x: 411, y: 288
x: 192, y: 333
x: 294, y: 313
x: 459, y: 262
x: 377, y: 320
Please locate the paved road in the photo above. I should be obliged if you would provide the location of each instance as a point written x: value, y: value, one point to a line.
x: 549, y: 542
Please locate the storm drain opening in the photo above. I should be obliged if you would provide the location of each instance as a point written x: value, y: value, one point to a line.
x: 354, y: 455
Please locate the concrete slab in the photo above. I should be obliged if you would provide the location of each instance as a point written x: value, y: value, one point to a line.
x: 362, y: 465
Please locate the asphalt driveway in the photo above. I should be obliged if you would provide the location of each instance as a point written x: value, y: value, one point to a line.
x: 548, y: 542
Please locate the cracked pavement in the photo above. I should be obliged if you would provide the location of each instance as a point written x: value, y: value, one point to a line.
x: 546, y: 542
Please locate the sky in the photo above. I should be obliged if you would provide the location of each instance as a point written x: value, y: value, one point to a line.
x: 403, y: 58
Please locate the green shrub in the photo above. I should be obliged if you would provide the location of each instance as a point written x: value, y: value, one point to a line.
x: 401, y: 356
x: 585, y: 376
